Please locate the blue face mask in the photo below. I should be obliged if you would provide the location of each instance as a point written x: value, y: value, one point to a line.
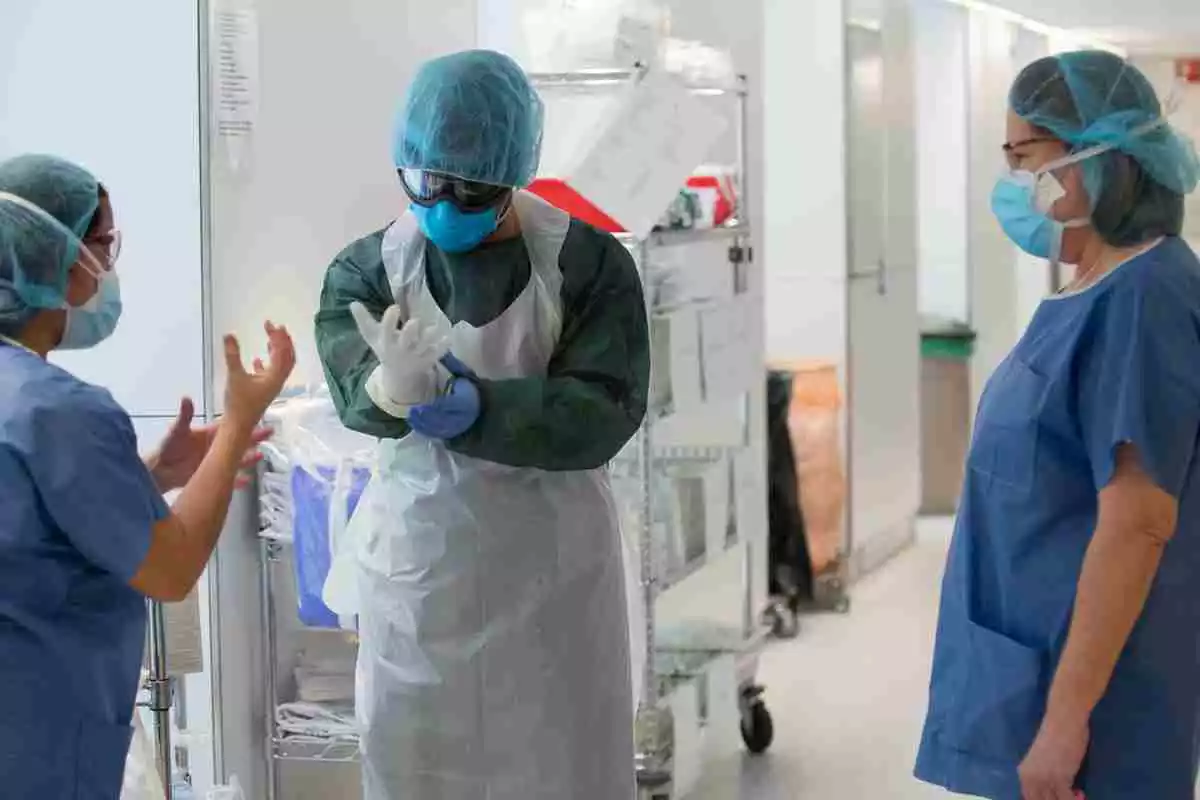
x: 91, y: 323
x: 456, y: 231
x: 1022, y: 202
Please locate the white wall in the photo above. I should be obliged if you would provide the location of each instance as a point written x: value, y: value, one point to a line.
x: 1184, y: 109
x: 317, y: 174
x: 80, y: 90
x: 84, y: 81
x: 942, y: 83
x: 993, y: 285
x: 804, y: 182
x: 1033, y: 278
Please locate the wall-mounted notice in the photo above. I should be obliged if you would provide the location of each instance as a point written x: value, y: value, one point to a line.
x: 235, y: 77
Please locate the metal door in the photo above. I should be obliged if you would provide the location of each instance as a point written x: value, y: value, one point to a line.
x: 883, y: 339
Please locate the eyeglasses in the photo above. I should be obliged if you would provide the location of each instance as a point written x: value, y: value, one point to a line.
x: 1010, y: 148
x: 427, y: 189
x: 108, y: 244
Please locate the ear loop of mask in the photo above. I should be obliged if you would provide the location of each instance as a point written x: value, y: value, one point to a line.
x: 83, y: 254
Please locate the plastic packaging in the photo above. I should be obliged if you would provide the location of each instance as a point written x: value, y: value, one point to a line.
x: 319, y: 471
x: 559, y: 36
x: 142, y: 781
x: 814, y: 421
x: 698, y: 63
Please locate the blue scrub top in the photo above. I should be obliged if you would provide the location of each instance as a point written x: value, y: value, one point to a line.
x: 76, y: 510
x: 1118, y: 363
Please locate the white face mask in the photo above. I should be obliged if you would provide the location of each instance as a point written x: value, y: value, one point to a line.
x: 91, y: 323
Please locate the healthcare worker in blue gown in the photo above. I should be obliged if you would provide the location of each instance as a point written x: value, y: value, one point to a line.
x: 1068, y: 646
x: 85, y: 535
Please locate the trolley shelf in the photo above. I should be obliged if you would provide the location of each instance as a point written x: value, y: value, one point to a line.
x: 667, y: 237
x: 340, y: 750
x: 612, y: 78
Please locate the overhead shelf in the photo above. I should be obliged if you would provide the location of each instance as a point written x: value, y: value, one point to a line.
x: 674, y: 236
x: 610, y: 78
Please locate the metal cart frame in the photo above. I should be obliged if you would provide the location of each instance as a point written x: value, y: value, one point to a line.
x: 654, y: 724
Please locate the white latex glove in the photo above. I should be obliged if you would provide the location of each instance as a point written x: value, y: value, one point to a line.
x: 408, y: 356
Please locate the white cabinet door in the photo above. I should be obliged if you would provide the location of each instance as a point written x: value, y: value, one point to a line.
x: 115, y: 87
x: 883, y: 333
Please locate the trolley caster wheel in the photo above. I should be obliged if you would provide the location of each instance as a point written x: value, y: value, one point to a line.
x: 758, y: 729
x: 783, y: 622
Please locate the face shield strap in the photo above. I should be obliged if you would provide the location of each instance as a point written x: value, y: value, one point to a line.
x: 1099, y: 149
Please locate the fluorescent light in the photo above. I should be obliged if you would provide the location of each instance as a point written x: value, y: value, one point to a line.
x: 1059, y: 38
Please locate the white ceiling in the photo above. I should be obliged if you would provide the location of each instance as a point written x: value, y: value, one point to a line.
x: 1163, y: 26
x: 1170, y: 26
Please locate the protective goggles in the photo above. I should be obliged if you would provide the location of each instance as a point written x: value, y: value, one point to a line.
x: 108, y: 245
x: 427, y: 189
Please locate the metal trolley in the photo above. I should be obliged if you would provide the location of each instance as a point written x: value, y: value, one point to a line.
x: 647, y: 464
x: 643, y: 465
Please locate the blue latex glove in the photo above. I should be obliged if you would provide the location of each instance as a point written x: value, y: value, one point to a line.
x: 455, y: 411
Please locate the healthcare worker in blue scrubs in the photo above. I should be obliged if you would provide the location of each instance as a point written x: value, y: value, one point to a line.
x: 85, y: 535
x: 1068, y: 648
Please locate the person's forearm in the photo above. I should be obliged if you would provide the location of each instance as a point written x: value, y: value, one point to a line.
x: 1118, y: 572
x: 355, y: 407
x: 203, y: 503
x: 554, y: 424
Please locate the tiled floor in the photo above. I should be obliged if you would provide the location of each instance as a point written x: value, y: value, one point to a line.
x: 848, y: 695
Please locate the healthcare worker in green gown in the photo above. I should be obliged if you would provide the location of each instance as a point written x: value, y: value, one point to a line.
x: 494, y: 657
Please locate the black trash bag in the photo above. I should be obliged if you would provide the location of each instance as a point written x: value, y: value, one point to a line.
x: 791, y: 576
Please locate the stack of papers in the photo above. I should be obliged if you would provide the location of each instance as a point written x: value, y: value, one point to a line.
x: 317, y: 720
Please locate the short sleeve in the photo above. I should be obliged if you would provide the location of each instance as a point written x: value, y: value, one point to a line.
x: 1137, y: 384
x: 84, y: 461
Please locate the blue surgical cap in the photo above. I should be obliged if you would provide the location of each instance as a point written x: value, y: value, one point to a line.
x: 40, y: 233
x: 1094, y: 98
x: 474, y: 115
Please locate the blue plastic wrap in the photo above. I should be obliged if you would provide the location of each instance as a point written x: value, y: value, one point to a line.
x: 316, y: 472
x: 312, y: 496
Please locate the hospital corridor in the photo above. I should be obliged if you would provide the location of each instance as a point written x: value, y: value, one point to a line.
x: 599, y: 400
x: 849, y: 698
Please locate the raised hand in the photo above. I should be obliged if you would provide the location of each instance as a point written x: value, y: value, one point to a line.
x: 249, y: 393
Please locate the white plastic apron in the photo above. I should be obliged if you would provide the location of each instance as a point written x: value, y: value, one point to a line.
x: 494, y: 658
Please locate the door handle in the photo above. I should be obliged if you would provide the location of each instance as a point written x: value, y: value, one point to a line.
x: 878, y: 274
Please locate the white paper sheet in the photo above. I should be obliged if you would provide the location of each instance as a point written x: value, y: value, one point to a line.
x: 185, y: 654
x: 718, y: 488
x: 729, y: 370
x: 693, y: 271
x: 643, y: 157
x: 749, y: 475
x: 235, y: 78
x: 686, y: 384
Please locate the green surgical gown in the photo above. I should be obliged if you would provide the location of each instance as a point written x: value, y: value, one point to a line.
x: 578, y: 416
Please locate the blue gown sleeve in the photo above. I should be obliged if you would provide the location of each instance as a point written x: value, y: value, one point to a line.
x: 1138, y: 383
x: 84, y: 461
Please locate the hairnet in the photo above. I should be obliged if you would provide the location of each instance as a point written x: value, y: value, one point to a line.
x: 1094, y: 98
x: 49, y: 206
x: 474, y: 115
